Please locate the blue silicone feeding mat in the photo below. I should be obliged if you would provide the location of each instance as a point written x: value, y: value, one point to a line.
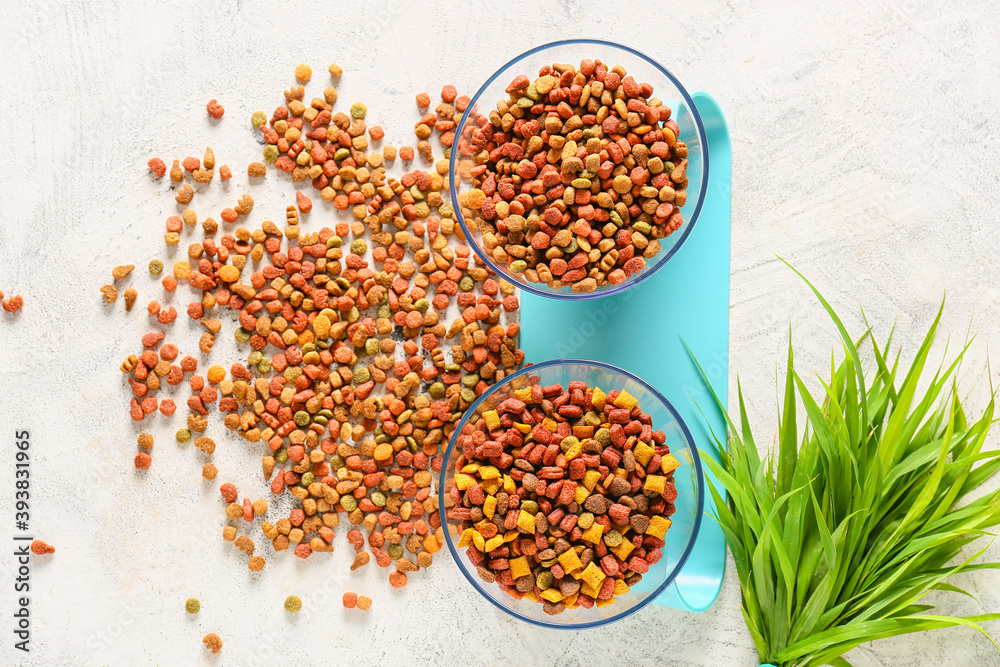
x: 644, y: 330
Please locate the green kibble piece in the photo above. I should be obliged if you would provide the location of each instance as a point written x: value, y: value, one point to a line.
x: 591, y: 419
x: 384, y: 311
x: 470, y: 380
x: 337, y: 462
x: 323, y: 345
x: 585, y: 521
x: 155, y: 267
x: 529, y: 506
x: 349, y: 503
x: 518, y: 266
x: 568, y: 442
x: 404, y: 416
x: 581, y: 183
x: 293, y: 604
x: 615, y: 218
x: 452, y: 367
x: 371, y: 346
x: 271, y: 153
x: 359, y: 247
x: 466, y: 283
x: 378, y: 498
x: 603, y: 436
x: 642, y: 227
x: 183, y: 435
x: 423, y: 209
x: 353, y: 315
x: 422, y: 305
x: 544, y: 579
x: 319, y: 419
x: 468, y: 395
x: 525, y: 102
x: 327, y: 414
x: 341, y: 154
x: 571, y: 247
x: 380, y: 437
x: 308, y: 347
x: 358, y: 110
x: 436, y: 390
x: 241, y: 335
x: 334, y: 241
x: 192, y: 606
x: 361, y: 375
x: 411, y: 442
x: 281, y: 456
x: 254, y: 358
x: 613, y: 538
x: 308, y: 478
x: 258, y: 119
x: 343, y: 282
x: 395, y: 551
x: 445, y: 209
x: 532, y: 92
x: 301, y: 418
x: 264, y: 366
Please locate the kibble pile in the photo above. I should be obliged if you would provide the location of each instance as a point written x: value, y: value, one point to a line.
x: 564, y: 495
x: 578, y: 175
x: 367, y: 333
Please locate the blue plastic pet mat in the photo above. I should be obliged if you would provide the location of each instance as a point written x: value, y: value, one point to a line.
x: 644, y: 330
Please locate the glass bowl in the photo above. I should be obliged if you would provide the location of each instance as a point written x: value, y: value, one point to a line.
x: 688, y: 478
x: 644, y: 69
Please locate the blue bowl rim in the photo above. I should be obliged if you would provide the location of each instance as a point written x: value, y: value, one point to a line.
x: 699, y: 509
x: 661, y: 261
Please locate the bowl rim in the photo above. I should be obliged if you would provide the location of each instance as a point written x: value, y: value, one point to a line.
x: 661, y: 261
x: 699, y: 503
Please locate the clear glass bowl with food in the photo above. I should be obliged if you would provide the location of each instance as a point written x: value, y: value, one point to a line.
x: 579, y: 169
x: 571, y: 494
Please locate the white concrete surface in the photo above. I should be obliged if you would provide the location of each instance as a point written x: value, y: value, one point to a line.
x: 866, y: 152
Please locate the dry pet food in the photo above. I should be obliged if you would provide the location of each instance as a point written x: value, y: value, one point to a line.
x: 577, y: 176
x: 564, y: 494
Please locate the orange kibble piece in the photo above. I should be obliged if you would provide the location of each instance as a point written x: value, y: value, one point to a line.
x: 229, y: 273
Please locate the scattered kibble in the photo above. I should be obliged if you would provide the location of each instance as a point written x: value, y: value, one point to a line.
x: 157, y: 166
x: 256, y: 170
x: 192, y: 606
x: 110, y: 293
x: 130, y: 296
x: 145, y: 440
x: 209, y: 471
x: 350, y: 600
x: 40, y: 548
x: 303, y: 73
x: 215, y: 109
x: 212, y: 642
x: 12, y: 304
x: 293, y: 604
x: 143, y: 460
x: 354, y: 414
x: 336, y: 71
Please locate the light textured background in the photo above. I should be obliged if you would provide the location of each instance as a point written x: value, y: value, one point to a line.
x: 865, y: 152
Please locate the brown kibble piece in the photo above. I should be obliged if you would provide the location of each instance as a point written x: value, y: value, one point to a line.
x: 364, y: 602
x: 256, y: 563
x: 185, y: 194
x: 120, y: 272
x: 209, y: 471
x: 110, y: 293
x: 145, y: 440
x: 256, y: 170
x: 130, y: 296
